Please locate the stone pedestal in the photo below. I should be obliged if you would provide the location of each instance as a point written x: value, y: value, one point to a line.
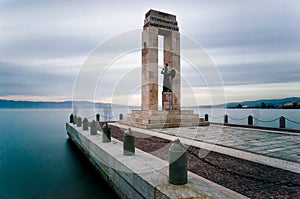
x: 167, y: 100
x: 161, y: 118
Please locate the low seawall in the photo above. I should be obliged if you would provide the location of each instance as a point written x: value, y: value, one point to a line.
x: 142, y: 175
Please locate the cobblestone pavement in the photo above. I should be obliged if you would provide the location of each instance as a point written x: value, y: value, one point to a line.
x: 280, y: 145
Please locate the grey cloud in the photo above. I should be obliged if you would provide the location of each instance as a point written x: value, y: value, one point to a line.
x: 46, y: 46
x: 42, y: 29
x: 22, y: 81
x: 264, y: 24
x: 256, y: 74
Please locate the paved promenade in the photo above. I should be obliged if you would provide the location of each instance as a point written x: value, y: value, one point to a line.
x: 141, y: 175
x: 279, y: 145
x: 277, y: 149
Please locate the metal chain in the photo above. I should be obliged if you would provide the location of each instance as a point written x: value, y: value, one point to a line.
x: 102, y: 116
x: 216, y: 117
x: 292, y: 121
x: 219, y: 117
x: 237, y: 119
x: 90, y: 117
x: 266, y: 120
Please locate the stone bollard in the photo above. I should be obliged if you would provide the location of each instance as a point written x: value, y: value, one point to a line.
x: 106, y: 135
x: 250, y: 120
x: 178, y: 163
x: 85, y: 125
x: 75, y: 120
x: 98, y: 117
x: 93, y: 128
x: 206, y: 117
x: 282, y: 122
x: 129, y: 143
x: 226, y: 119
x: 121, y: 116
x: 79, y: 122
x: 71, y: 118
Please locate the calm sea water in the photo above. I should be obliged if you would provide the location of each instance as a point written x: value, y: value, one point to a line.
x: 38, y: 161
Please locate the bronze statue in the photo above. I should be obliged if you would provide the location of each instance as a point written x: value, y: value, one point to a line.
x: 166, y: 83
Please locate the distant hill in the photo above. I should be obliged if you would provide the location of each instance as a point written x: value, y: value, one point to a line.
x: 275, y: 103
x: 65, y: 104
x: 30, y: 104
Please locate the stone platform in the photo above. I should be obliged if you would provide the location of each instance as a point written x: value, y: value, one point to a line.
x: 161, y: 119
x: 141, y: 175
x: 273, y: 148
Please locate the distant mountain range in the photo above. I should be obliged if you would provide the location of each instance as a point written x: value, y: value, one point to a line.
x: 273, y: 103
x: 276, y: 103
x: 65, y: 104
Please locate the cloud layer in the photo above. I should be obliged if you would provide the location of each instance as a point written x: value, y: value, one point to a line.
x: 254, y: 44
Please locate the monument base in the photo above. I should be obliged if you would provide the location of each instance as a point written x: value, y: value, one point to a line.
x: 167, y: 100
x: 161, y: 118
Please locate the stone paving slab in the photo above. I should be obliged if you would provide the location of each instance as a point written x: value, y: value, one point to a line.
x: 256, y: 141
x: 238, y: 143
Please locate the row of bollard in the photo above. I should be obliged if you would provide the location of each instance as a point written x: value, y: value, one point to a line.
x: 97, y: 118
x: 250, y: 120
x: 178, y: 174
x: 74, y: 118
x: 129, y: 139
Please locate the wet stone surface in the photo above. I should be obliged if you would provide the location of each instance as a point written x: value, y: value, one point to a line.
x: 285, y: 146
x: 248, y: 178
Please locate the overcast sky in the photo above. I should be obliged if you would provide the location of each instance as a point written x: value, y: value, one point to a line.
x: 255, y: 45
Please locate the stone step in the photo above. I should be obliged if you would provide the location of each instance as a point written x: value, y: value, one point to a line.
x: 161, y: 118
x: 142, y: 121
x: 164, y: 118
x: 162, y: 115
x: 161, y: 125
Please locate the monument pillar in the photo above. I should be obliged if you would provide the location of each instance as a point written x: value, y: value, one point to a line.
x: 150, y: 69
x: 164, y: 24
x: 159, y: 23
x: 172, y: 57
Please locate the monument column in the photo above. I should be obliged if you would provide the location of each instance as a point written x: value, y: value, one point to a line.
x: 164, y: 24
x: 150, y: 69
x: 159, y: 23
x: 172, y: 57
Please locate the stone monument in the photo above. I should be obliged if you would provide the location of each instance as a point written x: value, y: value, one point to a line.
x: 160, y: 23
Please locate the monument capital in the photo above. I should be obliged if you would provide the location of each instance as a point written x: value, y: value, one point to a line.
x: 162, y: 20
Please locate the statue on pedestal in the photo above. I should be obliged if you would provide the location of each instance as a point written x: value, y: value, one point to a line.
x: 167, y: 74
